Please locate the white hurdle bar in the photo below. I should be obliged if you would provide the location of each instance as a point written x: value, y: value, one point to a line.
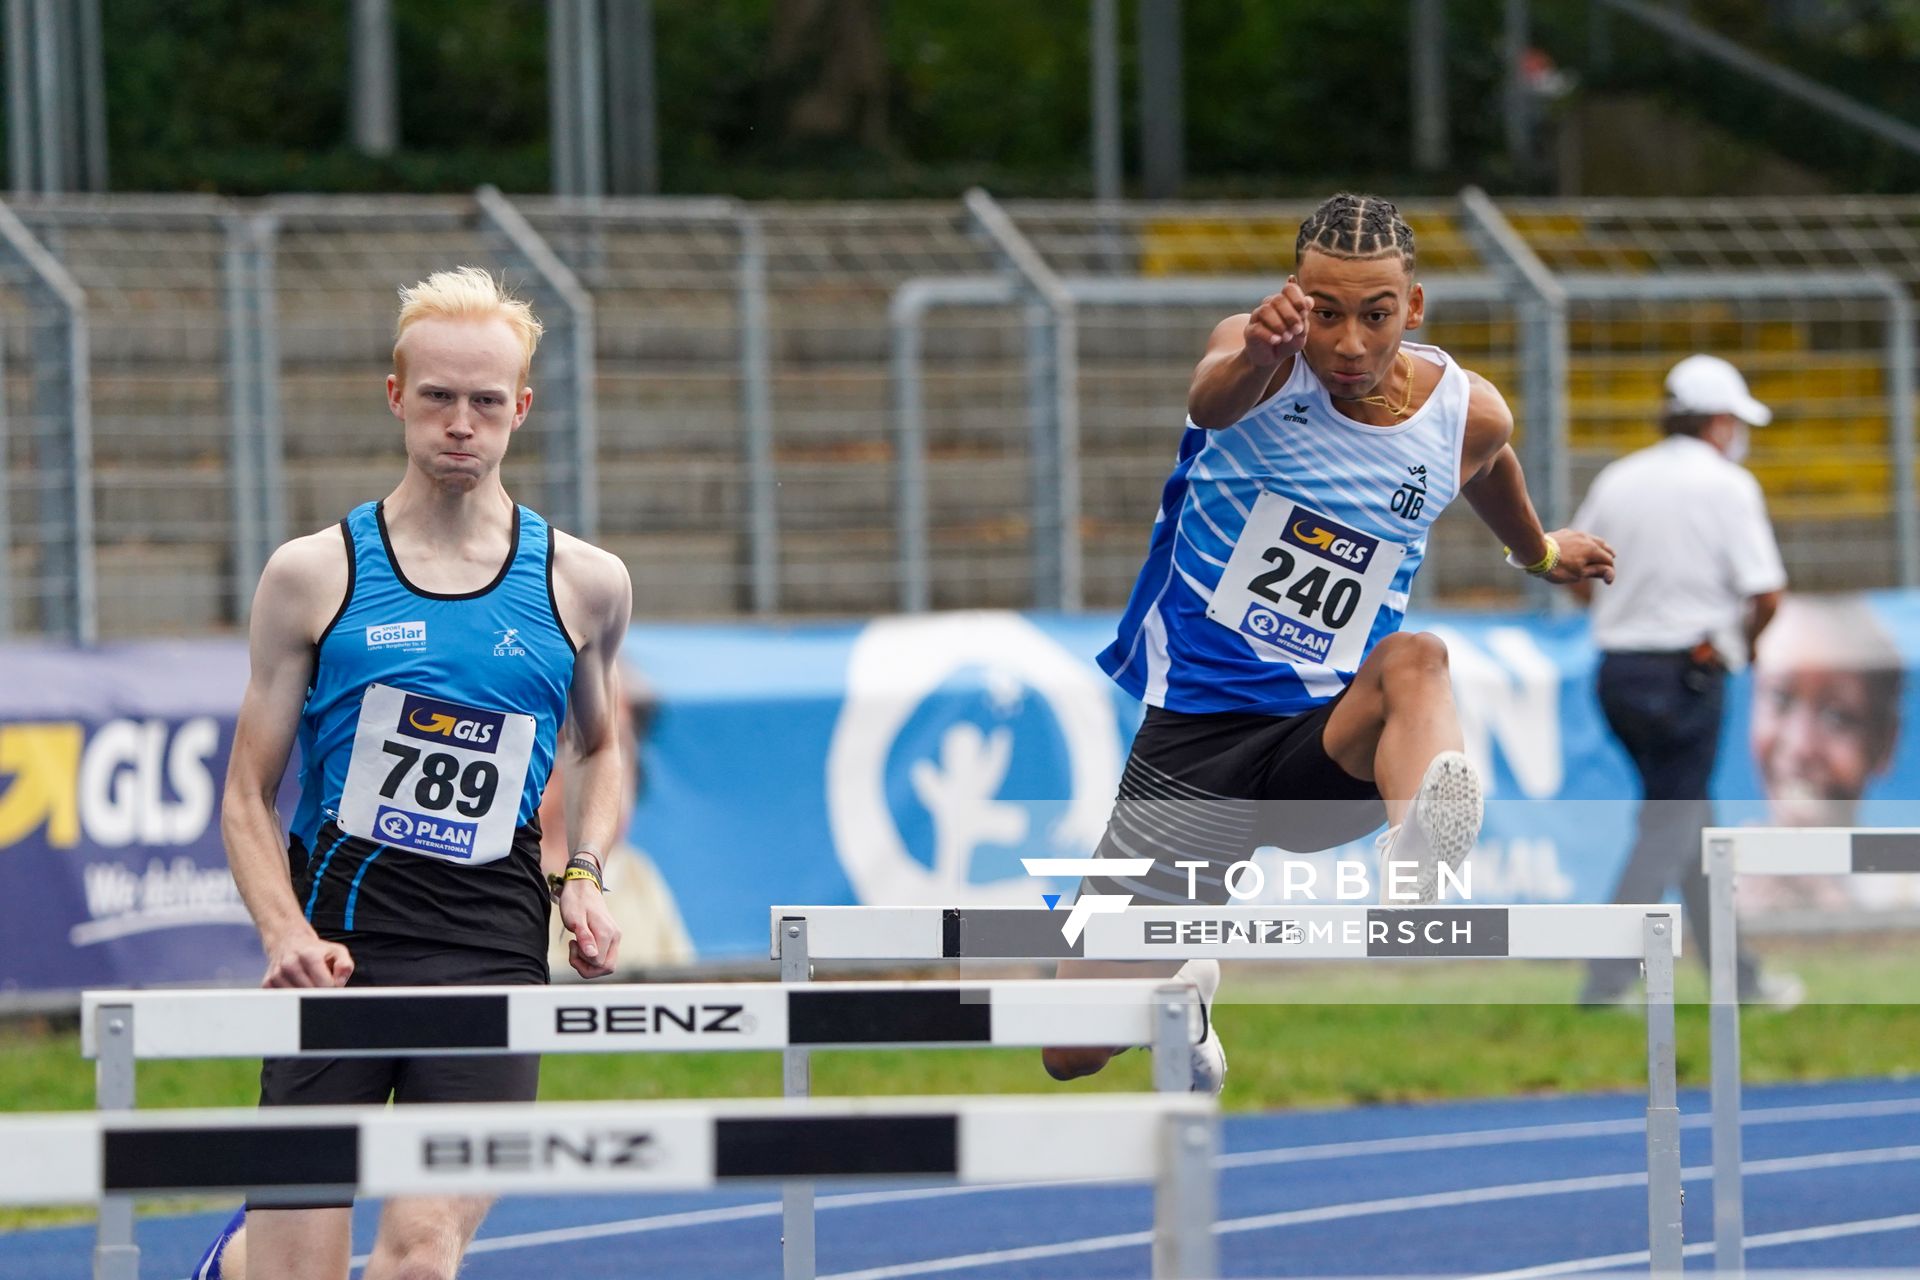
x: 627, y: 1147
x: 1728, y: 853
x: 1650, y: 933
x: 118, y: 1028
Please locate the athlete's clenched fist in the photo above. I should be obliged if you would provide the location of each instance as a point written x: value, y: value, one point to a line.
x: 1278, y: 326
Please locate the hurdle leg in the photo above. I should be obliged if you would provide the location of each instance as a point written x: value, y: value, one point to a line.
x: 115, y: 1255
x: 1663, y: 1110
x: 1729, y: 1212
x: 1172, y: 1039
x: 1184, y: 1199
x: 796, y: 1072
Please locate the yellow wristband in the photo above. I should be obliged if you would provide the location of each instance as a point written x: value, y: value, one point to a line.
x: 1544, y: 565
x: 581, y: 873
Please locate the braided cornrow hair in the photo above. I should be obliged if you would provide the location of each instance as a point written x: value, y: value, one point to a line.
x: 1354, y: 226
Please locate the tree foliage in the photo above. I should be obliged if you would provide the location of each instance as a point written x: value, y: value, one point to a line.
x: 871, y: 97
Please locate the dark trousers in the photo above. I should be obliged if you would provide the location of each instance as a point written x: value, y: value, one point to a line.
x: 1665, y: 709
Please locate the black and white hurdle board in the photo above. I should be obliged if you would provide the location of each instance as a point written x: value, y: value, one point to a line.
x: 1316, y: 931
x: 636, y: 1018
x: 627, y: 1147
x: 1726, y: 854
x: 1307, y: 932
x: 120, y: 1027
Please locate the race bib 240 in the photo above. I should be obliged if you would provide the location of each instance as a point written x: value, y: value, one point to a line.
x: 1302, y: 587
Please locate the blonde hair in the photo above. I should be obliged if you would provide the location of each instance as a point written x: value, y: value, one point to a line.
x: 467, y: 293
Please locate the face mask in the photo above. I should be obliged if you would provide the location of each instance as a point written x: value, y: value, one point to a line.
x: 1737, y: 447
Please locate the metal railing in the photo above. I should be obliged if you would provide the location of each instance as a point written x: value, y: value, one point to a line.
x: 1691, y: 36
x: 795, y: 409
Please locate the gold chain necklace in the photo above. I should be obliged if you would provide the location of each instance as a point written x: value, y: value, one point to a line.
x: 1406, y: 402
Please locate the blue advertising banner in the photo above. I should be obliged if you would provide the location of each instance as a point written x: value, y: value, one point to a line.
x: 111, y: 866
x: 917, y: 759
x: 908, y: 759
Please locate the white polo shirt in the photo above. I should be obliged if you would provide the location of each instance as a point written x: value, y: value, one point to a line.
x: 1692, y: 542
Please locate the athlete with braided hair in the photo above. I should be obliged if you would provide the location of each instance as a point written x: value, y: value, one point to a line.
x: 1284, y: 704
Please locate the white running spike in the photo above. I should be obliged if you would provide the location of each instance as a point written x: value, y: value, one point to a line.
x: 1441, y: 826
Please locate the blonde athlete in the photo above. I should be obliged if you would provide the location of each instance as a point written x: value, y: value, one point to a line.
x: 1284, y: 704
x: 425, y: 654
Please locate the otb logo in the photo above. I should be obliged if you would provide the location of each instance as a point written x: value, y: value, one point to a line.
x: 1411, y: 497
x: 437, y: 721
x: 1331, y: 540
x: 395, y: 826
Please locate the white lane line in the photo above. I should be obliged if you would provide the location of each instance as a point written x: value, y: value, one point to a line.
x: 1368, y: 1208
x: 1237, y: 1160
x: 735, y: 1213
x: 1557, y: 1132
x: 1800, y: 1235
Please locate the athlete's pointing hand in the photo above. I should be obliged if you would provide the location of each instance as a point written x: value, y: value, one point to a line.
x: 1277, y: 328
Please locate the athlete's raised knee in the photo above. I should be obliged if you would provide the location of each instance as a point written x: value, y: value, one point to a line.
x: 1415, y: 654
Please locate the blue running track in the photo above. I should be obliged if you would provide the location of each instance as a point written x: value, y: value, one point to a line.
x: 1517, y: 1188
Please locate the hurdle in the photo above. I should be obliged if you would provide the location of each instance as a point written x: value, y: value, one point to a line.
x: 511, y: 1148
x: 119, y: 1028
x: 1728, y: 853
x: 1650, y: 933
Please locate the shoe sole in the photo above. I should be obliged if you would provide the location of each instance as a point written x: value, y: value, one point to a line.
x: 1449, y: 809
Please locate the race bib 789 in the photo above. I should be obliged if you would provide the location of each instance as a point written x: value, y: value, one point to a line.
x: 435, y: 777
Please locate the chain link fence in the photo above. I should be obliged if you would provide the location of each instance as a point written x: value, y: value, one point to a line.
x: 1805, y: 297
x: 796, y: 410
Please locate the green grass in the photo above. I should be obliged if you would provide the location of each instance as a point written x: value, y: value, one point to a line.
x: 1301, y: 1036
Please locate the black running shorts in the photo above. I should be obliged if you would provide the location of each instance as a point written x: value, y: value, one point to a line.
x: 382, y: 960
x: 1217, y: 786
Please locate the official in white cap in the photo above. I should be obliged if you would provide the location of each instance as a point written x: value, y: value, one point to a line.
x: 1697, y: 578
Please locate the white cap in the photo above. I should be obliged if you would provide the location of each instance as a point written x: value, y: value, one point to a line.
x: 1708, y: 384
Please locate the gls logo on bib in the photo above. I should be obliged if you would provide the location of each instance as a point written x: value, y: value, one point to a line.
x: 1331, y: 541
x: 433, y: 721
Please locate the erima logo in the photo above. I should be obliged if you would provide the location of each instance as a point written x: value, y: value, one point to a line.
x: 1299, y: 413
x: 1331, y: 541
x: 508, y: 645
x: 390, y: 635
x: 521, y: 1150
x: 438, y: 721
x: 648, y: 1019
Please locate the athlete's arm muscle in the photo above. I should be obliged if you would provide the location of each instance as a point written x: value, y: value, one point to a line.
x: 1496, y: 489
x: 300, y: 589
x: 595, y: 598
x: 1248, y: 358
